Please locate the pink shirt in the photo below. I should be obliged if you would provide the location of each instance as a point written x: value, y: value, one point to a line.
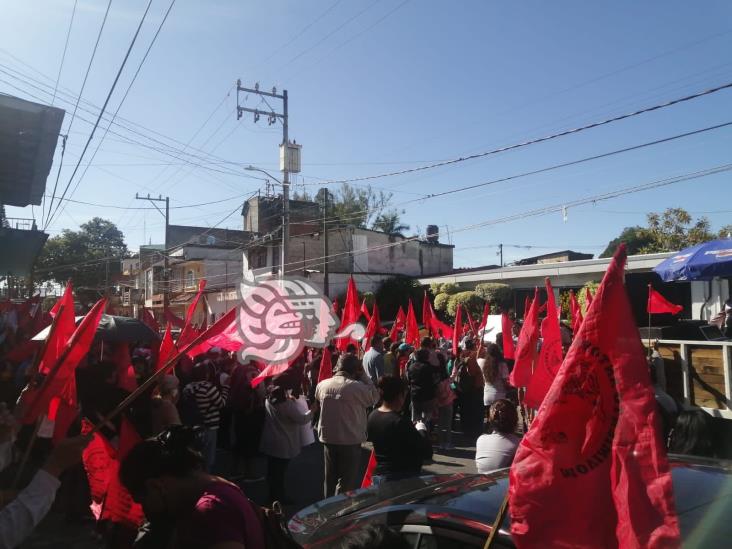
x: 222, y: 514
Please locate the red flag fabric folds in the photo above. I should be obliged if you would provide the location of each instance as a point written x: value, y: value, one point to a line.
x: 471, y: 324
x: 167, y: 349
x: 365, y: 310
x: 550, y: 356
x: 326, y: 366
x: 427, y: 313
x: 592, y: 470
x: 222, y: 332
x: 399, y: 324
x: 412, y: 335
x: 62, y: 370
x: 507, y: 333
x: 588, y: 299
x: 148, y: 318
x: 351, y: 313
x: 527, y: 349
x: 458, y: 330
x: 657, y: 304
x: 368, y: 477
x: 486, y: 314
x: 176, y: 321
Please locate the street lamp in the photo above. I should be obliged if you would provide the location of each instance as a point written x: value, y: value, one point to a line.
x: 251, y: 168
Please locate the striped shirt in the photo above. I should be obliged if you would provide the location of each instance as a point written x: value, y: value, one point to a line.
x: 209, y: 400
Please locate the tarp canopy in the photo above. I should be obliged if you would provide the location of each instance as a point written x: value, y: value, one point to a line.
x: 701, y: 262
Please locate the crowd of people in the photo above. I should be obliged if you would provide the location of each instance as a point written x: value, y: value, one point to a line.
x: 409, y: 403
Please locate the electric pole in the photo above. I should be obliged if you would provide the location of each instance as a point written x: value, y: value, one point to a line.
x: 326, y: 282
x: 166, y: 270
x: 289, y: 154
x: 500, y: 252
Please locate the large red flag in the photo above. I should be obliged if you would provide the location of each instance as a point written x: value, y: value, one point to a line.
x: 63, y: 327
x: 399, y: 324
x: 59, y: 374
x: 365, y: 310
x: 592, y: 470
x: 412, y: 335
x: 657, y: 304
x: 486, y: 314
x: 440, y: 329
x: 527, y: 350
x: 588, y: 299
x: 148, y: 318
x: 471, y: 323
x: 368, y: 477
x: 170, y: 316
x: 351, y: 313
x: 65, y: 300
x: 188, y: 333
x: 457, y: 330
x: 509, y: 352
x: 326, y: 366
x: 576, y: 312
x: 526, y: 306
x: 427, y: 314
x: 167, y: 349
x: 550, y: 356
x: 371, y: 330
x: 223, y: 330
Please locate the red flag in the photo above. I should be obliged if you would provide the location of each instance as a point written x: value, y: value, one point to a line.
x: 336, y: 306
x: 326, y: 366
x: 399, y: 324
x: 471, y: 324
x: 351, y: 312
x: 148, y: 318
x: 526, y: 353
x: 412, y: 335
x: 368, y: 477
x: 588, y: 299
x: 65, y: 300
x: 457, y: 330
x: 440, y: 329
x: 59, y: 374
x: 586, y: 474
x: 188, y: 333
x: 167, y: 349
x: 427, y: 313
x: 221, y: 331
x: 270, y: 370
x: 365, y: 310
x: 526, y: 306
x: 486, y: 314
x: 371, y: 330
x: 550, y: 356
x: 176, y: 321
x: 120, y: 355
x: 576, y: 312
x: 657, y: 304
x: 63, y: 410
x: 507, y: 333
x: 61, y: 330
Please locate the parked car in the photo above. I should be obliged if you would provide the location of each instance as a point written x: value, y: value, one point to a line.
x: 458, y: 510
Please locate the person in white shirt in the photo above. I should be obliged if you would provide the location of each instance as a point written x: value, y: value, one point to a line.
x: 20, y: 517
x: 496, y: 450
x: 495, y: 375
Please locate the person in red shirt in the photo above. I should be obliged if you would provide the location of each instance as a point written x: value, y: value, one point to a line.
x: 196, y: 510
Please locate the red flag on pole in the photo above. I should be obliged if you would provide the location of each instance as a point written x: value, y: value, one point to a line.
x: 63, y: 369
x: 526, y: 306
x: 167, y: 348
x: 188, y: 333
x: 588, y: 299
x: 336, y: 307
x: 326, y: 366
x: 586, y: 475
x: 550, y: 356
x: 657, y: 304
x: 62, y: 329
x: 427, y: 313
x: 222, y: 333
x: 507, y: 333
x: 368, y: 477
x: 471, y: 323
x: 458, y: 330
x: 66, y: 299
x: 440, y: 329
x: 399, y: 324
x: 486, y: 314
x: 148, y: 318
x: 576, y: 312
x: 169, y: 316
x: 527, y: 350
x: 412, y: 335
x: 365, y: 310
x: 372, y: 329
x: 351, y: 312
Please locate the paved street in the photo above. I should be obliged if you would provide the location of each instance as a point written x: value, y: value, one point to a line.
x: 304, y: 480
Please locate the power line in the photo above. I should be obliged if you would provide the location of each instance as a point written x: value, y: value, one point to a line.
x: 63, y: 55
x: 127, y: 91
x: 104, y: 107
x: 116, y: 207
x: 537, y: 140
x: 76, y: 106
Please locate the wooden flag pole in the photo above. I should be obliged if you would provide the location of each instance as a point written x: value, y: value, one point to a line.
x: 134, y: 395
x: 497, y: 523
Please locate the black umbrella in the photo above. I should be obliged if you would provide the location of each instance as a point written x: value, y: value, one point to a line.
x: 115, y: 329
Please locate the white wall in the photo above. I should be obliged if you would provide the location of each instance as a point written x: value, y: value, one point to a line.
x: 707, y: 298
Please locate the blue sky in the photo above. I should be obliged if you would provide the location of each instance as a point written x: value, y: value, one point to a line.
x: 382, y: 85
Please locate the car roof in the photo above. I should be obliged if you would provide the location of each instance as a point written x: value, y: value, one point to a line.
x: 468, y: 502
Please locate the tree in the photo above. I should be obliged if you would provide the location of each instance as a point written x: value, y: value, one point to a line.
x: 725, y: 232
x: 390, y: 223
x: 471, y: 302
x: 495, y: 293
x: 635, y: 238
x: 357, y: 206
x: 669, y: 231
x: 89, y: 257
x: 396, y: 291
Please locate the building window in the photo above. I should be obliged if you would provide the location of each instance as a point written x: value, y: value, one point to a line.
x: 190, y: 279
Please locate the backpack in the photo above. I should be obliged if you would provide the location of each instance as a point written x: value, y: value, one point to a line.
x: 188, y: 409
x: 464, y: 382
x: 276, y: 534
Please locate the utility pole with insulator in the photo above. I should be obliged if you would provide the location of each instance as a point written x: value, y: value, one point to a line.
x: 166, y: 265
x: 326, y: 281
x: 289, y: 154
